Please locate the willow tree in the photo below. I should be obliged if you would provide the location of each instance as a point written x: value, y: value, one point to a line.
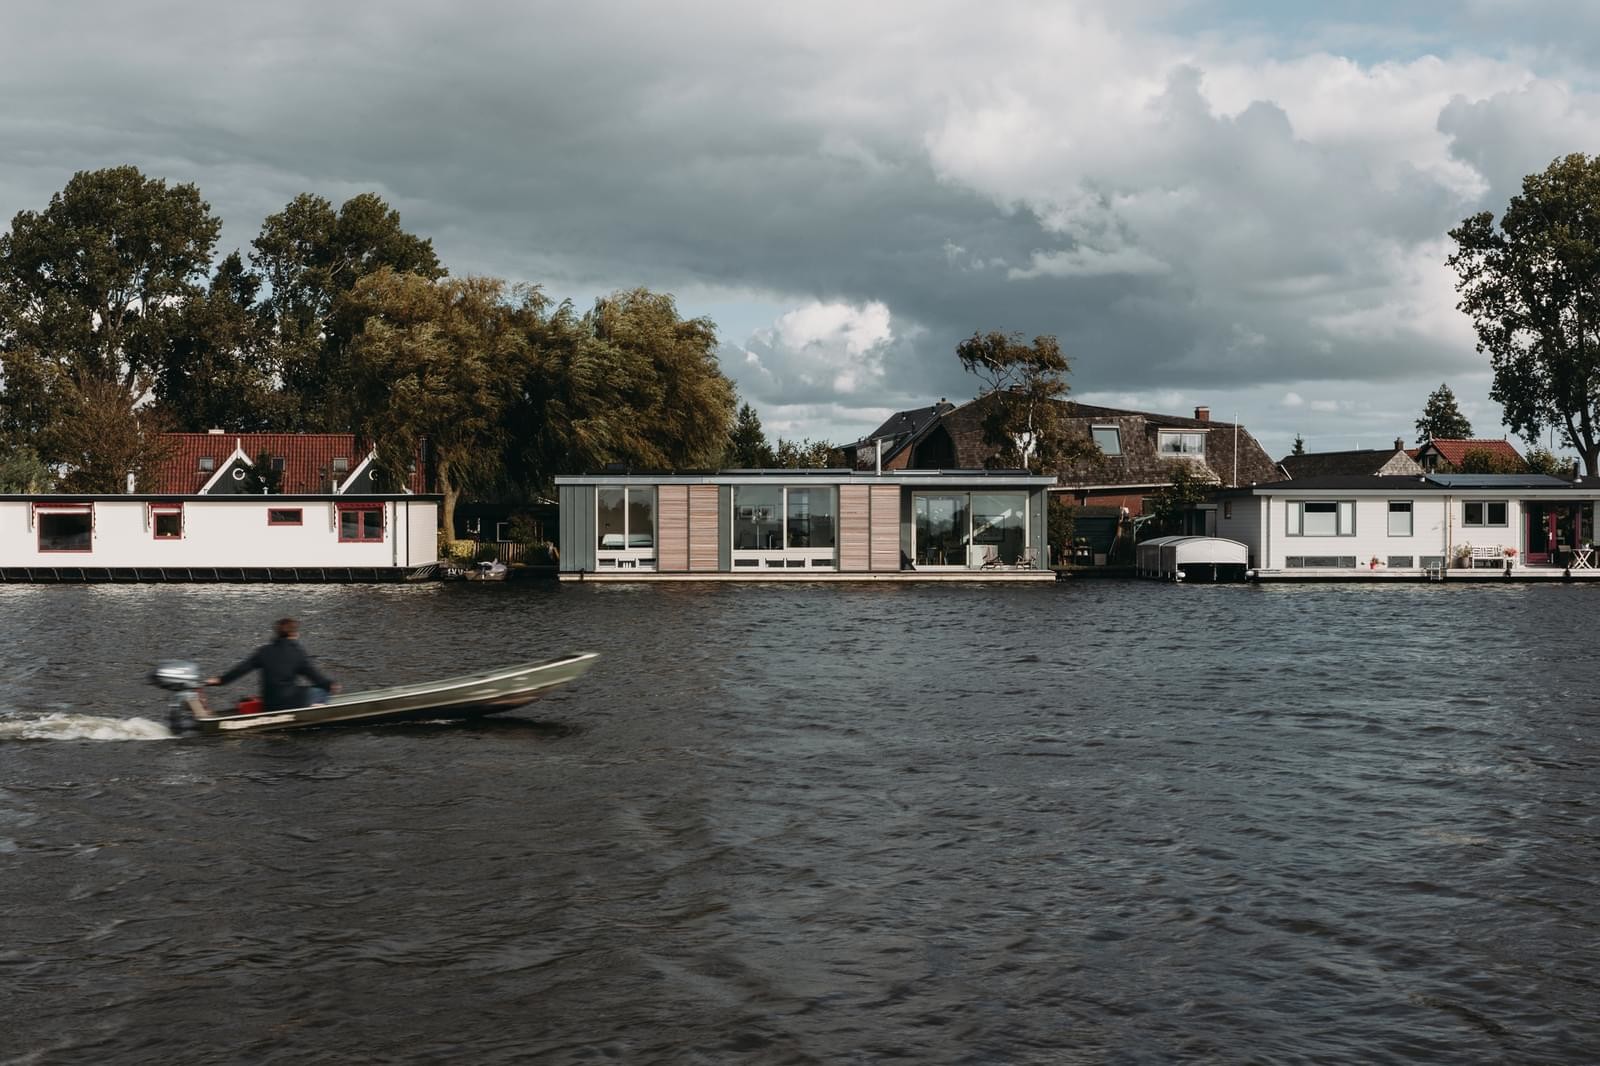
x: 1532, y: 288
x: 438, y: 359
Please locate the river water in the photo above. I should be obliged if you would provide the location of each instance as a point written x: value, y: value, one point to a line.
x: 1096, y: 822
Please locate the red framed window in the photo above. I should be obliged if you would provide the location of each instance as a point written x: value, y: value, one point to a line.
x: 285, y: 516
x: 64, y: 527
x: 166, y: 521
x: 360, y: 523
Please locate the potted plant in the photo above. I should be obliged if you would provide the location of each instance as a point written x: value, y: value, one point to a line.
x: 1373, y: 565
x: 1463, y: 554
x: 1511, y: 557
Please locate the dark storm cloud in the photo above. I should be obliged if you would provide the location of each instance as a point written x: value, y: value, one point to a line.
x: 1181, y: 222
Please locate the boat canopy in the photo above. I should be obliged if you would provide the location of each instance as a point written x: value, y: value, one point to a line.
x: 1170, y: 557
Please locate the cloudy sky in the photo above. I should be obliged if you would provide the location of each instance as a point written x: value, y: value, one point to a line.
x: 1207, y: 201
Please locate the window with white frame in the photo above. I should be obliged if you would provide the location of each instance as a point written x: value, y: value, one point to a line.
x: 1321, y: 518
x: 1483, y: 513
x: 166, y: 521
x: 788, y: 526
x: 625, y: 526
x: 1107, y: 438
x: 1181, y: 444
x: 1399, y: 518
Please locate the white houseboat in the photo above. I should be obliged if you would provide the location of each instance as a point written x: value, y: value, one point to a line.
x: 233, y: 537
x: 1432, y: 525
x: 922, y: 525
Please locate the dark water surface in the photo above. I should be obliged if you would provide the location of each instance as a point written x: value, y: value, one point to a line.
x: 1098, y: 822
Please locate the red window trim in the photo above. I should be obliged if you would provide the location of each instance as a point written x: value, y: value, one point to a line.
x: 383, y: 523
x: 299, y: 512
x: 161, y: 509
x: 41, y: 509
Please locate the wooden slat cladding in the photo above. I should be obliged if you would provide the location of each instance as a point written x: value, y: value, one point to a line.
x: 855, y: 527
x: 885, y: 527
x: 704, y: 515
x: 672, y: 521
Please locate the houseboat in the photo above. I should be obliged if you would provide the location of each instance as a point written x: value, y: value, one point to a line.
x: 232, y: 537
x: 919, y: 525
x: 1442, y: 526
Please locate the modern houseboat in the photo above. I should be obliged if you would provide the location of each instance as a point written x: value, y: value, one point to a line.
x: 1444, y: 526
x: 924, y: 525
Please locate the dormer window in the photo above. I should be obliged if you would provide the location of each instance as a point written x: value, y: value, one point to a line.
x: 341, y: 465
x: 277, y: 464
x: 1107, y: 438
x: 207, y: 464
x: 1182, y: 444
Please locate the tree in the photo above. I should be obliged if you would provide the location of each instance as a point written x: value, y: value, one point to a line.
x: 107, y: 445
x: 747, y: 443
x: 1441, y: 418
x: 803, y: 454
x: 1022, y: 386
x: 1544, y: 461
x: 1299, y: 445
x: 1169, y: 505
x: 1484, y: 461
x: 1060, y: 521
x: 91, y: 292
x: 1532, y: 289
x: 22, y: 470
x: 312, y: 258
x: 217, y: 370
x: 438, y: 359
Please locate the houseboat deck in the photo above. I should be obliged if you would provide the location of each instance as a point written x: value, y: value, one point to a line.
x: 1481, y: 575
x: 904, y: 576
x: 130, y: 575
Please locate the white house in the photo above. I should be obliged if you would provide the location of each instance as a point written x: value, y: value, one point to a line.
x: 155, y: 537
x: 1341, y: 525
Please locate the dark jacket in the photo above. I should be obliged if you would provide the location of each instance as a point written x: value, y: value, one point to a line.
x: 281, y: 664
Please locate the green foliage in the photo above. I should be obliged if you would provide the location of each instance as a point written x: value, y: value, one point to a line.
x: 1532, y: 289
x: 1441, y: 418
x: 1299, y: 445
x: 1169, y: 505
x: 1059, y: 525
x: 261, y: 479
x: 220, y: 361
x: 1022, y: 420
x: 312, y: 258
x: 438, y: 359
x: 23, y: 470
x: 747, y: 443
x: 1484, y: 461
x: 1544, y: 461
x: 105, y: 442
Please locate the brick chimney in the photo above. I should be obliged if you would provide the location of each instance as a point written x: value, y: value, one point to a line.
x: 1399, y: 444
x: 1202, y: 414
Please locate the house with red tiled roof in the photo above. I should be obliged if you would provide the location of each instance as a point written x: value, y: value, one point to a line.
x: 1446, y: 456
x: 219, y: 463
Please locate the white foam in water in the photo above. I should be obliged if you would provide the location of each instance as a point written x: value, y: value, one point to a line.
x: 65, y: 726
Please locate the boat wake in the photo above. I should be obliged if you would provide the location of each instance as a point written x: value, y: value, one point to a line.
x: 67, y: 726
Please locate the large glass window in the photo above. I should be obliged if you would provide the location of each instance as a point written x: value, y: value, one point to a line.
x: 810, y: 518
x: 625, y: 518
x: 1483, y: 513
x: 1399, y: 518
x: 972, y: 530
x: 1172, y: 442
x: 66, y: 530
x: 757, y: 517
x: 1321, y: 518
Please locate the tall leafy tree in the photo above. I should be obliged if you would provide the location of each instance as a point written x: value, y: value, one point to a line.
x: 747, y: 443
x: 106, y: 445
x: 218, y: 369
x: 1441, y: 418
x: 22, y: 469
x: 91, y: 292
x: 1531, y: 285
x: 1185, y: 490
x: 437, y: 359
x: 805, y: 454
x: 1023, y: 385
x: 312, y: 257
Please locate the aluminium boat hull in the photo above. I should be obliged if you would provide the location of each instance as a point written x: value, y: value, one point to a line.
x: 468, y: 696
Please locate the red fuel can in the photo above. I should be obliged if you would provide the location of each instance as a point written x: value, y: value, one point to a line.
x: 250, y: 705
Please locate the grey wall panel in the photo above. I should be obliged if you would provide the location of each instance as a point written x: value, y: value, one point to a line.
x: 577, y: 527
x: 1039, y: 511
x: 907, y: 515
x: 725, y: 528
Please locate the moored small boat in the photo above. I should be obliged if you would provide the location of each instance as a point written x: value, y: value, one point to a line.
x: 467, y: 696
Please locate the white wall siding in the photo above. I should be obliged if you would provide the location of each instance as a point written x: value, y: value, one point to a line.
x: 225, y: 532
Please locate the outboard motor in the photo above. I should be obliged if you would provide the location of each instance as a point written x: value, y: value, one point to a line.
x: 185, y: 681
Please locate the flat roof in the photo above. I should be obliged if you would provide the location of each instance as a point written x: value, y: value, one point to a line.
x: 835, y: 477
x: 220, y: 497
x: 1428, y: 483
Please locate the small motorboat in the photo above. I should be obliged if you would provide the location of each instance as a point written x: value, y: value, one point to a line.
x: 468, y: 696
x: 489, y: 571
